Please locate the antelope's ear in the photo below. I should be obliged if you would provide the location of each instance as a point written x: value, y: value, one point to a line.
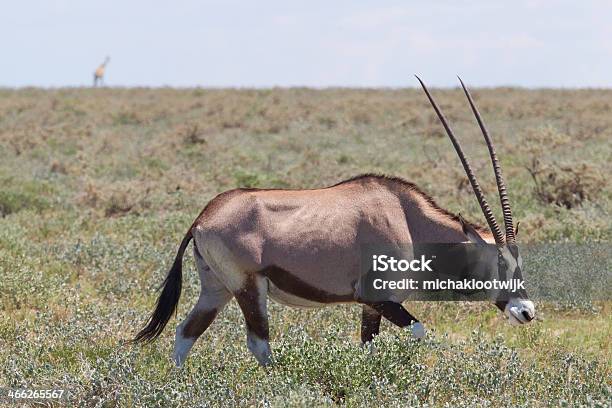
x: 470, y: 232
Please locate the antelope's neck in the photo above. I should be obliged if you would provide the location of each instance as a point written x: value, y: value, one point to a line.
x: 429, y: 223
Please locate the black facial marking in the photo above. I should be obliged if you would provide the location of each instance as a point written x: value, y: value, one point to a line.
x: 502, y: 266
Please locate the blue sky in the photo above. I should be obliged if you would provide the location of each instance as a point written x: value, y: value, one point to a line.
x: 310, y: 43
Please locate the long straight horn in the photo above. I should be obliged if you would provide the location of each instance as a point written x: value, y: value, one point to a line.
x: 501, y: 186
x: 486, y: 210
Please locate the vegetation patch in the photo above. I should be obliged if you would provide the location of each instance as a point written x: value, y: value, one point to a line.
x: 18, y: 196
x: 97, y: 188
x: 567, y: 186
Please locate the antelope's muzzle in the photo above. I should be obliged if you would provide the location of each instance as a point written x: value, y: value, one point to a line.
x: 520, y: 311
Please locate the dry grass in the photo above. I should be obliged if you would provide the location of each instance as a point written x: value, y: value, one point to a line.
x: 566, y: 186
x: 97, y: 186
x: 157, y: 145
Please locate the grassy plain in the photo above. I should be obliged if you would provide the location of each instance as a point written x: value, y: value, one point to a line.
x: 97, y: 188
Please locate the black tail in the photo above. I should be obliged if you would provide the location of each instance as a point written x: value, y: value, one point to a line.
x: 168, y: 299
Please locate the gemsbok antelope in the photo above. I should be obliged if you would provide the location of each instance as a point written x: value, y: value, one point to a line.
x: 302, y: 248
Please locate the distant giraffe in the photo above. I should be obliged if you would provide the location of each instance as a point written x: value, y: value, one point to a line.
x: 99, y: 73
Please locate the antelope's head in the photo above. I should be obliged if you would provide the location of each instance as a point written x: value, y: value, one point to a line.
x: 516, y: 305
x: 505, y: 262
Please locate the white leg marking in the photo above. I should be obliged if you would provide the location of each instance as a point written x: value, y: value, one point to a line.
x: 371, y: 347
x: 182, y: 345
x: 418, y: 330
x: 260, y: 349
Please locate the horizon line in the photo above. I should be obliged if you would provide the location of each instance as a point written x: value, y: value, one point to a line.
x: 289, y: 87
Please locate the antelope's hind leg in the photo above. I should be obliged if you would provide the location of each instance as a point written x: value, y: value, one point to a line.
x: 253, y: 301
x: 213, y: 298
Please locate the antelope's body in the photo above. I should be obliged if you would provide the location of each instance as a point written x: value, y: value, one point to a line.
x: 303, y: 248
x: 322, y: 229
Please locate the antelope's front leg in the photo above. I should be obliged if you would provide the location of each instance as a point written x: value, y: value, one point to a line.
x: 399, y: 316
x: 370, y: 323
x: 253, y: 301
